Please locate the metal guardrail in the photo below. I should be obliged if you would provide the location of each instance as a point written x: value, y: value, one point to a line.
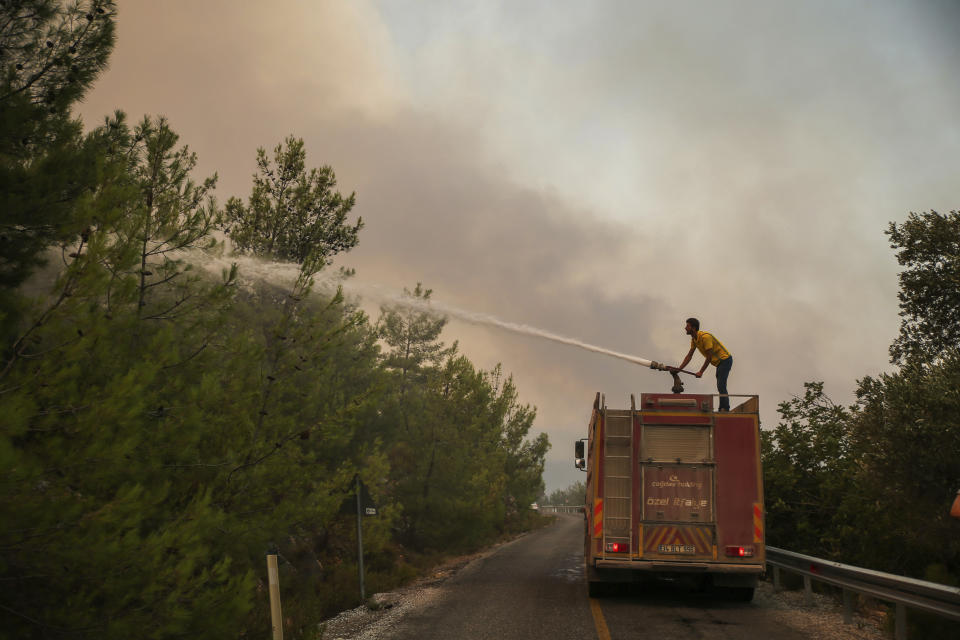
x: 905, y: 592
x: 560, y: 508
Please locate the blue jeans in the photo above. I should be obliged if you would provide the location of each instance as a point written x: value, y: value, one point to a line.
x: 723, y: 372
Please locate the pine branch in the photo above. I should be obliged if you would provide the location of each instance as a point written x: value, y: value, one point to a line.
x: 276, y: 447
x: 198, y: 465
x: 56, y: 413
x: 188, y: 358
x: 163, y: 315
x: 48, y: 626
x: 52, y: 62
x: 18, y: 345
x: 164, y: 281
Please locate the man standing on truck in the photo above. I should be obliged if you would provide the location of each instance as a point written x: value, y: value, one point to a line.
x: 715, y: 354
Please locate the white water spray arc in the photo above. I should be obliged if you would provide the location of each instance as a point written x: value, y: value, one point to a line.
x: 283, y: 274
x: 484, y: 319
x: 381, y: 294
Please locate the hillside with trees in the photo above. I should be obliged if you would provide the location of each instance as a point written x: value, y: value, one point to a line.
x: 164, y: 428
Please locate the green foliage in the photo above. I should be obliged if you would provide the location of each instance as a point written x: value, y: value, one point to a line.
x: 524, y: 461
x: 461, y: 466
x: 808, y: 468
x: 50, y: 53
x: 872, y: 484
x: 166, y: 428
x: 412, y: 332
x: 928, y: 247
x: 908, y: 429
x: 157, y: 447
x: 291, y: 214
x: 171, y: 215
x: 95, y: 505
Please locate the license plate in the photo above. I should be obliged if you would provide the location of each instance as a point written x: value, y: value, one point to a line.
x: 677, y: 548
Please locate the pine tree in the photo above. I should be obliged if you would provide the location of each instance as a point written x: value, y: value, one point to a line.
x: 50, y: 54
x: 411, y: 332
x: 106, y: 504
x: 524, y: 461
x: 456, y: 436
x: 292, y: 214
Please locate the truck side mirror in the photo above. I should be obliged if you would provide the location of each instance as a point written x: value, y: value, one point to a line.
x: 580, y: 462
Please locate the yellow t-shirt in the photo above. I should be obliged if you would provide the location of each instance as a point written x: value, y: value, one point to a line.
x: 704, y: 342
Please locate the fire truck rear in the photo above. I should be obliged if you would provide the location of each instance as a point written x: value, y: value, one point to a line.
x: 674, y: 489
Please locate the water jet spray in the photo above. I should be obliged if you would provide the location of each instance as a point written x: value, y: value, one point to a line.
x: 474, y: 317
x: 282, y: 274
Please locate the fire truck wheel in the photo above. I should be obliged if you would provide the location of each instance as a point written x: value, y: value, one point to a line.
x: 740, y: 594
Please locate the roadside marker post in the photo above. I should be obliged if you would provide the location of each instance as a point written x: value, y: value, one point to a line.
x: 273, y: 579
x: 363, y: 595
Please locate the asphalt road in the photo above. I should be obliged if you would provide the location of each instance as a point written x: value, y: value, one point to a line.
x: 534, y: 587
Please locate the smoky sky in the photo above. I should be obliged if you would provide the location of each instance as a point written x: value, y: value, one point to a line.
x: 599, y: 170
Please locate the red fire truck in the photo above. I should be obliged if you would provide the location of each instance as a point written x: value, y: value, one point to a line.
x: 674, y: 489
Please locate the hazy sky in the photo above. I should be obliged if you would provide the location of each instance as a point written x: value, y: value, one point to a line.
x: 600, y: 170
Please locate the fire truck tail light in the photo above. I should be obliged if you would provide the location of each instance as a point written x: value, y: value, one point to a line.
x: 742, y: 551
x: 617, y: 547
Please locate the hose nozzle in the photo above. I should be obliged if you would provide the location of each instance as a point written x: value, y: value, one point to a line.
x: 677, y: 383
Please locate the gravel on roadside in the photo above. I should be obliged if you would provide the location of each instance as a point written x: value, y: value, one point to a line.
x: 376, y: 623
x: 824, y: 618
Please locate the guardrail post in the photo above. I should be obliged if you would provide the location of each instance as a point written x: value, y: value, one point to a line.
x: 807, y: 591
x: 847, y: 606
x: 776, y: 578
x: 900, y: 631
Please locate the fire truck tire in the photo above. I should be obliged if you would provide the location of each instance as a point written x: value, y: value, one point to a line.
x: 740, y: 594
x: 597, y: 589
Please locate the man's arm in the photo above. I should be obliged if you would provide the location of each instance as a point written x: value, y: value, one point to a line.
x: 687, y: 359
x: 706, y: 363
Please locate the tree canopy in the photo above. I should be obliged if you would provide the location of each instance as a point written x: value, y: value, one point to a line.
x: 50, y: 55
x: 292, y: 214
x: 928, y: 248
